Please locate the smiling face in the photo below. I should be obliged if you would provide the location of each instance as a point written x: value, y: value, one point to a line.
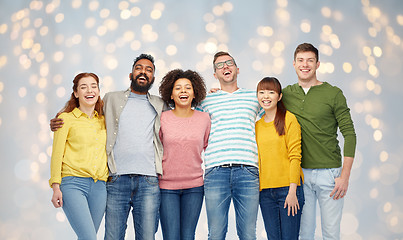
x: 305, y: 64
x: 227, y: 75
x: 142, y: 76
x: 87, y: 92
x: 268, y: 99
x: 182, y: 93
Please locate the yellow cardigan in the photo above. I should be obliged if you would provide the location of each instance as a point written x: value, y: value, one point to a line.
x: 79, y: 148
x: 279, y: 156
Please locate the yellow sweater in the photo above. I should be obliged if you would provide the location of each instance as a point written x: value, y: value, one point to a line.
x: 279, y: 156
x: 79, y: 148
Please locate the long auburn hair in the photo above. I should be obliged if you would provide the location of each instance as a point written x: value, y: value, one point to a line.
x: 73, y: 102
x: 272, y: 83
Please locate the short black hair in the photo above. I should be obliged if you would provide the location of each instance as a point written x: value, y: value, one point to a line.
x: 144, y: 56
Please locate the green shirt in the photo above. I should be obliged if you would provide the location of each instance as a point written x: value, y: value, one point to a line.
x: 320, y: 112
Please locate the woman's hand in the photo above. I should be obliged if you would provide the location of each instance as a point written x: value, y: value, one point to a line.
x: 291, y: 201
x: 57, y: 198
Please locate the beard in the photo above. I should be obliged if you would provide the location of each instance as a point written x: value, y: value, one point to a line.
x: 141, y: 88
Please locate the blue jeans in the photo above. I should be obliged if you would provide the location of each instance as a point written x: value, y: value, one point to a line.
x: 137, y: 192
x: 318, y: 184
x: 241, y: 184
x: 180, y: 211
x: 84, y: 204
x: 277, y: 223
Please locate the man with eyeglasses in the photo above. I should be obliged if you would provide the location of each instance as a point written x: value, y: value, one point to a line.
x: 231, y: 158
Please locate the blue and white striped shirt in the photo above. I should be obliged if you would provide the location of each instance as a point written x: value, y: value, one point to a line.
x: 232, y: 136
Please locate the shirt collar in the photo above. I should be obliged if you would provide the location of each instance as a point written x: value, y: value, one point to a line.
x: 77, y: 113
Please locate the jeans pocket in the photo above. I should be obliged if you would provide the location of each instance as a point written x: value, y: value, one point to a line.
x: 335, y: 172
x: 254, y: 171
x: 112, y: 179
x: 209, y: 171
x: 152, y: 180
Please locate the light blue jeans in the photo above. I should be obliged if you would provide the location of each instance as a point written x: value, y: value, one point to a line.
x: 180, y: 211
x: 137, y: 192
x: 241, y: 184
x: 84, y: 204
x: 318, y: 184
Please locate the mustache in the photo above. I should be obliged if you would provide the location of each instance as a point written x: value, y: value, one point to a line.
x: 142, y: 75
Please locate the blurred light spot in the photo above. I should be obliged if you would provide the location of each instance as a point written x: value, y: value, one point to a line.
x: 42, y: 157
x: 101, y: 30
x: 123, y: 5
x: 338, y: 16
x: 58, y: 56
x: 283, y: 14
x: 111, y: 24
x: 40, y: 98
x: 374, y: 193
x: 210, y: 47
x: 358, y: 107
x: 347, y: 67
x: 227, y: 6
x: 378, y: 89
x: 22, y: 113
x: 305, y: 26
x: 155, y: 14
x: 374, y: 174
x: 367, y: 51
x: 3, y: 28
x: 36, y: 5
x: 370, y: 85
x: 34, y: 167
x: 93, y: 41
x: 325, y: 49
x: 349, y: 223
x: 373, y: 70
x: 327, y: 29
x: 22, y: 92
x: 93, y: 5
x: 266, y: 31
x: 377, y: 135
x: 110, y: 62
x: 135, y: 11
x: 218, y: 10
x: 383, y: 156
x: 27, y: 43
x: 171, y: 50
x: 76, y: 4
x: 399, y: 19
x: 3, y: 61
x: 263, y: 47
x: 135, y: 45
x: 372, y: 32
x: 282, y: 3
x: 104, y: 13
x: 44, y: 69
x: 59, y: 17
x: 377, y: 51
x: 208, y: 17
x: 326, y: 12
x: 211, y: 27
x: 60, y: 92
x: 279, y: 63
x: 375, y: 123
x: 387, y: 207
x: 90, y: 22
x: 125, y: 14
x: 334, y: 41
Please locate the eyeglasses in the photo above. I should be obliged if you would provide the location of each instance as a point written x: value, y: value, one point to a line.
x: 220, y: 65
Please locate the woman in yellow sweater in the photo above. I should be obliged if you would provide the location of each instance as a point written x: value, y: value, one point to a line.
x: 78, y: 165
x: 278, y: 137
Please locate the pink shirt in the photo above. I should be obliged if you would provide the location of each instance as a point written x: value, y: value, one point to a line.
x: 184, y: 140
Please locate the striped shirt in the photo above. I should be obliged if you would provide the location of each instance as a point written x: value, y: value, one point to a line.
x: 232, y: 136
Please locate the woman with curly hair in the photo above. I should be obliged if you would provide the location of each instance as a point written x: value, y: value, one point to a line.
x: 184, y: 134
x: 78, y: 165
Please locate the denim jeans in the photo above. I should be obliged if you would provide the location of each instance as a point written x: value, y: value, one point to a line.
x: 241, y: 184
x: 318, y: 184
x: 137, y: 192
x: 84, y: 204
x: 277, y: 223
x: 180, y: 211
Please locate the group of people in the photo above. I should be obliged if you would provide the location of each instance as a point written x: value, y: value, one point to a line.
x: 142, y: 153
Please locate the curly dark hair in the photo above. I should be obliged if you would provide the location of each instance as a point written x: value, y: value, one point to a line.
x: 168, y: 81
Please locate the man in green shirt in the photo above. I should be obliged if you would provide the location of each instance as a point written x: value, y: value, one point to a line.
x: 321, y: 109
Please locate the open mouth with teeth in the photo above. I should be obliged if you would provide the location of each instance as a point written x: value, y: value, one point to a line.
x: 183, y: 97
x: 90, y: 97
x: 226, y: 73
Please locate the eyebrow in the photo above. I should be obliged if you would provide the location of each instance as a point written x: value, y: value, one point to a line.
x: 141, y: 65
